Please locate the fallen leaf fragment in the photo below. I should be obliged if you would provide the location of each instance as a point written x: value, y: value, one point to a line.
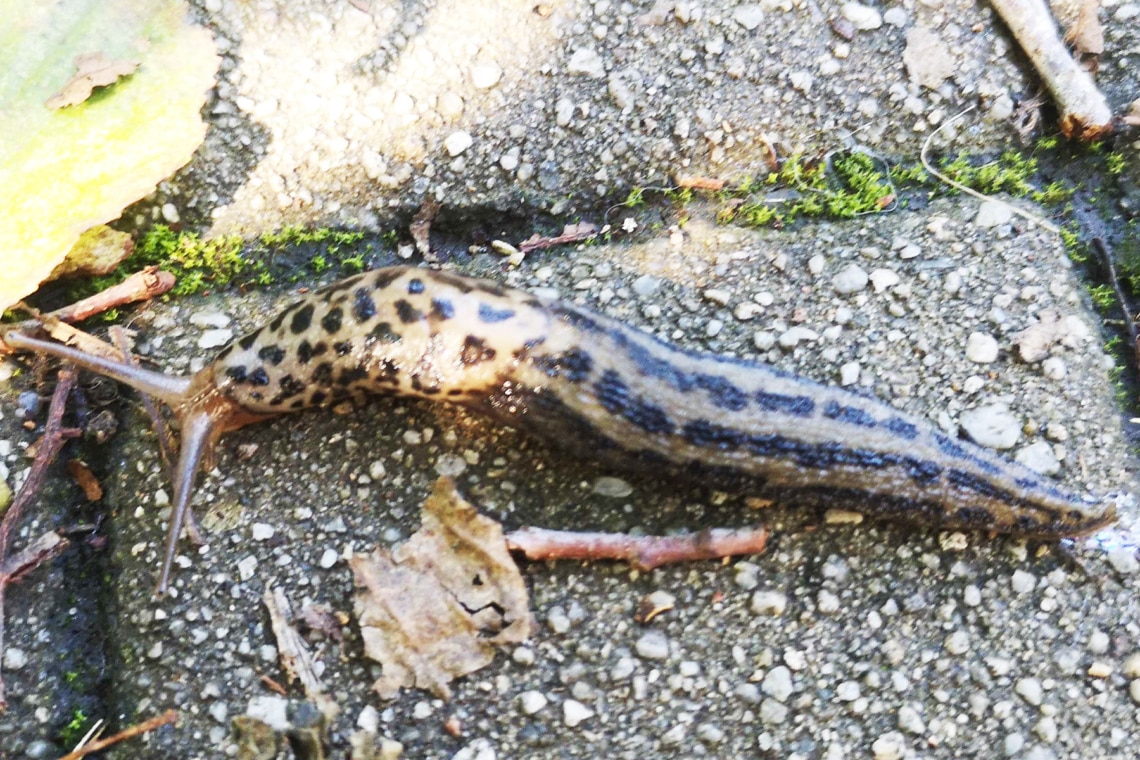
x: 294, y: 655
x: 1036, y: 341
x: 700, y: 183
x: 927, y: 58
x: 435, y: 607
x: 571, y: 233
x: 421, y: 226
x: 91, y: 70
x: 85, y: 479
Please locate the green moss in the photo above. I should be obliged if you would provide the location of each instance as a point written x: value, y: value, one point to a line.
x: 75, y: 729
x: 1053, y: 194
x: 1103, y: 296
x: 1114, y: 163
x: 635, y: 198
x: 1010, y: 173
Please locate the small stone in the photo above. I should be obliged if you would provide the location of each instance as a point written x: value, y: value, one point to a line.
x: 883, y: 279
x: 710, y: 733
x: 993, y: 214
x: 1099, y: 642
x: 777, y: 683
x: 769, y: 603
x: 210, y: 318
x: 792, y: 337
x: 485, y: 75
x: 910, y: 721
x: 1013, y: 744
x: 862, y: 17
x: 718, y: 296
x: 612, y: 487
x: 1124, y: 562
x: 848, y: 691
x: 1030, y: 690
x: 376, y: 470
x: 957, y: 643
x: 587, y: 62
x: 827, y: 603
x: 981, y: 348
x: 772, y: 712
x: 1023, y: 582
x: 763, y: 340
x: 574, y: 712
x: 1100, y: 670
x: 1046, y: 728
x: 558, y: 620
x: 889, y: 746
x: 653, y: 645
x: 992, y: 426
x: 170, y: 213
x: 645, y: 285
x: 270, y: 710
x: 450, y: 465
x: 457, y: 142
x: 14, y: 658
x: 215, y: 338
x: 1039, y: 457
x: 328, y: 558
x: 747, y: 692
x: 849, y: 373
x: 532, y: 701
x: 261, y: 531
x: 1054, y: 368
x: 1131, y: 667
x: 1134, y: 690
x: 895, y: 16
x: 748, y: 16
x: 850, y: 280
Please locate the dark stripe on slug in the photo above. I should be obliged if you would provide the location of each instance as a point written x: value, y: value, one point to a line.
x: 971, y: 482
x: 475, y: 351
x: 384, y: 333
x: 614, y: 396
x: 302, y: 319
x: 491, y: 315
x: 574, y: 365
x: 798, y: 406
x: 921, y: 470
x: 331, y: 322
x: 709, y: 435
x: 224, y: 353
x: 349, y: 375
x: 415, y: 286
x: 722, y: 392
x: 382, y: 278
x: 851, y: 415
x: 272, y: 354
x: 901, y: 428
x: 363, y: 307
x: 249, y: 340
x: 441, y: 308
x: 408, y: 313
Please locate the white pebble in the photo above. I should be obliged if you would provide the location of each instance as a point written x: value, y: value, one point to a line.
x: 612, y: 487
x: 450, y: 465
x: 1030, y: 690
x: 883, y: 279
x: 910, y: 721
x: 777, y: 683
x: 796, y: 335
x: 1054, y: 368
x: 653, y: 645
x: 215, y: 338
x: 993, y: 426
x: 376, y: 470
x: 848, y: 691
x: 261, y: 531
x: 957, y: 643
x: 993, y: 214
x: 328, y: 558
x: 850, y: 280
x: 1023, y: 582
x: 14, y: 658
x: 827, y: 603
x: 748, y: 16
x: 457, y: 142
x: 587, y: 62
x: 849, y: 373
x: 1124, y: 562
x: 574, y: 712
x: 1039, y: 457
x: 862, y: 17
x: 763, y: 340
x: 889, y: 746
x: 486, y: 75
x: 170, y: 213
x: 532, y: 701
x: 209, y: 318
x: 981, y: 348
x: 769, y: 602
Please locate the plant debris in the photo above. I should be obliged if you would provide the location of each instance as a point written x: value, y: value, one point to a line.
x: 91, y: 70
x: 434, y: 608
x: 294, y: 655
x: 643, y: 552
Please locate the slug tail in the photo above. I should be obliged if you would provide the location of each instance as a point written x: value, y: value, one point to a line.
x: 199, y: 432
x: 170, y: 389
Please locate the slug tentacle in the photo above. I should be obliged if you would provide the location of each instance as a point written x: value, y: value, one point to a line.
x: 580, y: 379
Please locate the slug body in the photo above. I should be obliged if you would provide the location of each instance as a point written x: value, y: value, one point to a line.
x: 574, y: 377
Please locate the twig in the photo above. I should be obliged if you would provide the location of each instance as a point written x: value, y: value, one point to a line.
x: 54, y: 437
x: 140, y: 286
x: 45, y: 547
x: 1045, y: 223
x: 1085, y: 114
x: 643, y: 552
x: 573, y: 233
x: 168, y: 717
x: 1129, y: 323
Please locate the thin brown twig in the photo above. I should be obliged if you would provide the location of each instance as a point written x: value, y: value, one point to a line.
x: 168, y: 717
x: 643, y: 552
x: 1129, y: 323
x: 54, y: 437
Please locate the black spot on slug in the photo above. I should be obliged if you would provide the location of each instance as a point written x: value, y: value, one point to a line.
x: 343, y: 347
x: 349, y: 375
x: 382, y: 278
x: 237, y: 374
x: 302, y: 319
x: 304, y: 352
x: 798, y: 406
x: 968, y: 481
x: 850, y: 415
x: 574, y: 365
x: 317, y: 398
x: 615, y: 397
x: 291, y: 386
x: 475, y: 350
x: 322, y: 375
x: 249, y: 340
x: 408, y: 313
x: 491, y: 315
x: 272, y: 354
x: 722, y: 392
x: 441, y: 308
x: 384, y: 333
x: 320, y: 348
x: 415, y: 286
x: 363, y: 307
x: 259, y: 377
x: 331, y: 321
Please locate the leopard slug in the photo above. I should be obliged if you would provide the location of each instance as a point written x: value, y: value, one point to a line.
x: 572, y: 376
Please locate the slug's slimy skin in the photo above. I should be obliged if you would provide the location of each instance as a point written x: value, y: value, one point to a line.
x: 574, y: 377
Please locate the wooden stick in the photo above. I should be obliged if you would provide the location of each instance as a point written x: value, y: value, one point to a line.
x: 643, y: 552
x: 170, y: 716
x: 1085, y: 114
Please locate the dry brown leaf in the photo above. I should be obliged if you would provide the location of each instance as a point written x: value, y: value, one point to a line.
x: 421, y: 226
x: 1086, y: 35
x: 433, y: 609
x: 296, y: 660
x: 91, y: 70
x: 927, y: 59
x: 85, y: 479
x: 1035, y: 342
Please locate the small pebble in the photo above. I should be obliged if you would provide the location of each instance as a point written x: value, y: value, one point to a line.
x: 772, y: 712
x: 1124, y: 562
x: 1030, y: 690
x: 981, y: 348
x: 910, y: 721
x: 883, y: 279
x: 992, y: 426
x: 849, y: 373
x: 653, y: 645
x: 328, y: 558
x: 574, y: 712
x: 889, y: 746
x: 557, y: 619
x: 769, y: 603
x: 796, y: 335
x: 1131, y: 667
x: 1039, y: 457
x: 14, y: 658
x: 457, y: 142
x: 993, y: 214
x: 532, y: 701
x: 848, y: 691
x: 862, y: 17
x: 777, y: 683
x: 612, y: 487
x: 1013, y: 744
x: 1134, y: 690
x: 1023, y: 582
x: 215, y: 338
x: 827, y: 603
x: 850, y: 280
x: 957, y: 643
x: 261, y: 531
